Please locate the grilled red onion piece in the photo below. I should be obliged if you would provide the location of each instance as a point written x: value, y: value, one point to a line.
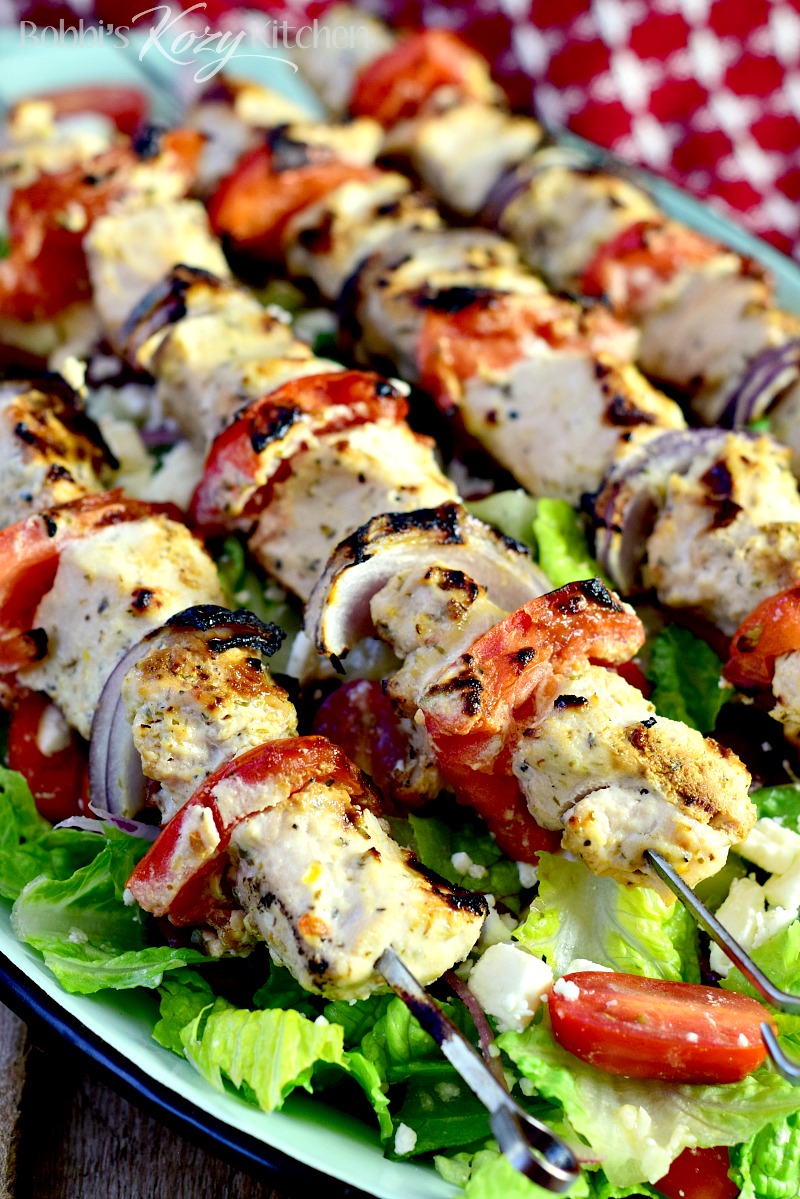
x: 627, y: 504
x: 766, y: 376
x: 116, y: 779
x: 337, y: 613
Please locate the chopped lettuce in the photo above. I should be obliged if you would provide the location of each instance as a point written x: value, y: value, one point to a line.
x: 552, y: 529
x: 89, y: 937
x: 578, y: 915
x: 183, y: 997
x: 267, y: 1054
x: 282, y: 990
x: 563, y: 549
x: 443, y: 1113
x: 780, y: 803
x: 511, y: 512
x: 686, y: 676
x: 768, y: 1166
x: 779, y: 958
x: 637, y: 1127
x: 488, y: 1175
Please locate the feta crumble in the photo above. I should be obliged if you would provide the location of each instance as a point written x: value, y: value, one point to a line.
x: 567, y: 988
x: 405, y: 1140
x: 509, y: 984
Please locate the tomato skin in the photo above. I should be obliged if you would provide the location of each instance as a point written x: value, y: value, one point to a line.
x: 127, y: 107
x: 699, y: 1174
x: 56, y: 780
x: 240, y: 468
x: 29, y: 552
x: 497, y: 798
x: 644, y: 254
x: 396, y: 85
x: 181, y: 873
x: 771, y: 629
x: 254, y: 203
x: 650, y: 1028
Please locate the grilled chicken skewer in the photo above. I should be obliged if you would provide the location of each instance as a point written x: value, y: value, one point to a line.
x: 452, y: 310
x: 708, y: 322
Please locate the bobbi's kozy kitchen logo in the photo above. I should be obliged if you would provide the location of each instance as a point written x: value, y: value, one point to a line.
x: 179, y: 36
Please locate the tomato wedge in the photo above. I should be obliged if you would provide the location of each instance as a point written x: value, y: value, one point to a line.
x: 242, y: 463
x: 395, y: 86
x: 771, y: 629
x: 126, y: 107
x: 625, y: 268
x: 29, y: 552
x: 699, y: 1174
x: 649, y: 1028
x: 486, y: 332
x: 253, y: 205
x: 515, y: 667
x: 181, y: 874
x: 56, y: 779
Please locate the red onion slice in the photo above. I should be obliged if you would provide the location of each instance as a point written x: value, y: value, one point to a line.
x: 766, y: 376
x: 627, y: 504
x: 136, y: 828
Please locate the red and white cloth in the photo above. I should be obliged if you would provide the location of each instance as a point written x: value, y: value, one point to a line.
x: 704, y: 92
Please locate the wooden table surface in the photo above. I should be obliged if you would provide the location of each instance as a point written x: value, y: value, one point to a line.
x: 65, y: 1135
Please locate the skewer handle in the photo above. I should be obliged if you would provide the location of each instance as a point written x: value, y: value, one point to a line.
x: 530, y: 1146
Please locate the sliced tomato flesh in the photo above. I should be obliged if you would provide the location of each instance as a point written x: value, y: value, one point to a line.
x: 29, y: 552
x: 240, y: 469
x: 395, y: 86
x: 699, y: 1174
x: 187, y: 861
x: 771, y: 629
x: 56, y: 779
x: 651, y: 1028
x: 254, y: 203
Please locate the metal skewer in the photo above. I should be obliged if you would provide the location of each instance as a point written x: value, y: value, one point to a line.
x: 782, y: 1000
x: 530, y: 1146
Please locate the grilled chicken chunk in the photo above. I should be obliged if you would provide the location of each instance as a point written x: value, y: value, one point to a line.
x: 328, y: 890
x: 197, y: 698
x: 728, y: 534
x: 132, y: 247
x: 621, y: 780
x: 52, y: 452
x: 335, y: 484
x: 110, y: 589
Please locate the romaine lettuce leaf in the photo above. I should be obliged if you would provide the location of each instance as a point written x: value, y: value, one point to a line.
x: 443, y: 1113
x: 267, y: 1054
x: 780, y: 803
x: 488, y: 1175
x: 768, y: 1166
x: 30, y: 846
x: 686, y: 674
x: 578, y: 915
x: 511, y: 512
x: 637, y: 1127
x: 282, y: 990
x: 779, y: 958
x: 435, y: 841
x: 183, y: 997
x: 562, y: 548
x: 89, y: 937
x: 264, y: 597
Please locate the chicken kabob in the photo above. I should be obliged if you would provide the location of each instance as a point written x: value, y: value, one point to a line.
x: 709, y: 519
x: 709, y: 326
x: 454, y: 311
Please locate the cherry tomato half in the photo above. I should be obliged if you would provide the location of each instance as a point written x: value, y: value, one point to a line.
x: 699, y: 1174
x: 650, y: 1028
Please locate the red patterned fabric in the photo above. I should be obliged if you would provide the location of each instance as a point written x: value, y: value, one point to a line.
x: 704, y: 92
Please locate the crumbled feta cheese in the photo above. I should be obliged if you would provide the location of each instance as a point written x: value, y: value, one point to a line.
x: 53, y: 733
x: 783, y: 890
x: 464, y: 864
x: 770, y: 846
x: 744, y: 914
x: 77, y: 936
x: 509, y: 984
x: 404, y: 1140
x: 742, y: 1041
x: 567, y: 989
x: 127, y: 898
x: 447, y: 1091
x: 692, y: 1038
x: 320, y: 1020
x: 528, y: 875
x: 579, y: 964
x: 496, y: 927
